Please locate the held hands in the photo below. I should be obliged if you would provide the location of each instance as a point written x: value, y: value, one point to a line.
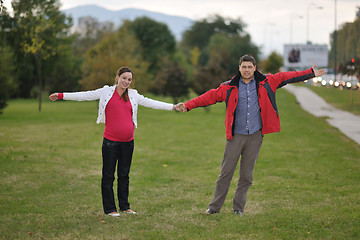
x: 54, y: 96
x: 318, y: 73
x: 180, y: 107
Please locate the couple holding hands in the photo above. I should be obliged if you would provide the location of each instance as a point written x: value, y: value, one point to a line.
x: 251, y: 112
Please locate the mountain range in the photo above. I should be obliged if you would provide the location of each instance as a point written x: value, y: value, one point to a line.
x: 177, y: 25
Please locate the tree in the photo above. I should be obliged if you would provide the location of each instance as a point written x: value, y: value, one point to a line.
x: 105, y: 58
x: 7, y: 85
x: 89, y: 34
x: 37, y: 45
x: 272, y: 64
x: 201, y: 31
x: 194, y: 56
x: 172, y: 81
x: 225, y: 37
x: 65, y: 68
x: 7, y: 67
x: 234, y: 46
x: 350, y: 67
x: 210, y: 76
x: 40, y: 31
x: 348, y: 42
x: 156, y: 40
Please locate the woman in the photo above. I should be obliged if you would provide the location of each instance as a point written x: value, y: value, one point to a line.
x: 118, y: 107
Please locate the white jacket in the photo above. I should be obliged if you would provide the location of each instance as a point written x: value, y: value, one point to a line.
x: 105, y: 94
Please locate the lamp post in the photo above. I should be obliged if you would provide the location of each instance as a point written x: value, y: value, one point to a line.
x: 312, y: 5
x: 271, y: 40
x: 335, y: 42
x: 292, y: 17
x: 266, y: 33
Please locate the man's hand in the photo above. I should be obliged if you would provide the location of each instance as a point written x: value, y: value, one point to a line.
x: 318, y: 73
x: 181, y: 107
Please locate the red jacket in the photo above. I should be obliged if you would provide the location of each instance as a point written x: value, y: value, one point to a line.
x: 266, y: 87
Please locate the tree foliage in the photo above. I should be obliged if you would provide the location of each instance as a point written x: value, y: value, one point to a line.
x: 89, y: 35
x: 66, y: 69
x: 234, y: 46
x: 7, y: 71
x: 156, y: 40
x: 212, y: 75
x: 351, y: 67
x: 172, y: 81
x: 201, y: 31
x: 272, y: 64
x: 214, y: 43
x: 348, y: 42
x: 105, y: 58
x: 7, y: 68
x: 39, y: 29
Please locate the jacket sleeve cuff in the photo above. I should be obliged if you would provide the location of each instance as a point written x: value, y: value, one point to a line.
x: 187, y: 105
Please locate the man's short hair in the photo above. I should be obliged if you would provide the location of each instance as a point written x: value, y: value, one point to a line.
x: 247, y: 58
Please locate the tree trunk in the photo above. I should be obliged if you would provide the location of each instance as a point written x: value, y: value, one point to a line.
x: 38, y: 58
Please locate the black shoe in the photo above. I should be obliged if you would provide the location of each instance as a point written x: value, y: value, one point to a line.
x: 238, y: 212
x: 209, y: 212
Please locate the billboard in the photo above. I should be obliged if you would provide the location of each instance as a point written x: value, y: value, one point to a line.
x: 305, y: 55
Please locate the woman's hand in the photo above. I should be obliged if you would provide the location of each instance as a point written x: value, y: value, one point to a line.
x: 54, y: 96
x: 181, y: 107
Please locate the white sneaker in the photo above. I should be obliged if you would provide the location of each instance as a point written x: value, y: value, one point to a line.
x: 114, y: 214
x: 129, y: 211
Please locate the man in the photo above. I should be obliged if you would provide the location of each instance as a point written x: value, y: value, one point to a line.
x: 251, y: 112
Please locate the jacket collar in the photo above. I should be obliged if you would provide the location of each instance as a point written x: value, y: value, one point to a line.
x: 257, y: 75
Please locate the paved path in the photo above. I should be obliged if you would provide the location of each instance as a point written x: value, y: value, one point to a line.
x: 346, y: 122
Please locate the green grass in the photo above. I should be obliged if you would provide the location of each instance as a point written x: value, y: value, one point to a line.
x: 306, y: 181
x: 340, y: 99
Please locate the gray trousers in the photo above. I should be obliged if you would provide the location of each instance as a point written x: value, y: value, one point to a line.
x: 248, y: 146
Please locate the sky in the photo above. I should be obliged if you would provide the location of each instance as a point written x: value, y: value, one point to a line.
x: 271, y: 24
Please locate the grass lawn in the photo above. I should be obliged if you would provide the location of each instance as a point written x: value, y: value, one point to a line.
x: 306, y: 181
x: 340, y: 99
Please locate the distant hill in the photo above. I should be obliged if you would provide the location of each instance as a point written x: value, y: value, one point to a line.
x: 176, y: 24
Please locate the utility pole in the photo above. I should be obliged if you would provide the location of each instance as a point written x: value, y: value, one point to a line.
x: 335, y: 44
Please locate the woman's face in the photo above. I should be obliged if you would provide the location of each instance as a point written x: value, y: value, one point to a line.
x: 124, y: 80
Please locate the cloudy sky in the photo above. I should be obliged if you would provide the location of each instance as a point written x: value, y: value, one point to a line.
x: 270, y: 23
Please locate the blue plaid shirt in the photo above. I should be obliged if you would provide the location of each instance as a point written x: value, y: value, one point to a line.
x: 247, y: 114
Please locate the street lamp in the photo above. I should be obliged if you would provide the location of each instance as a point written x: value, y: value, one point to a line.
x: 291, y: 24
x: 270, y: 24
x: 335, y: 41
x: 271, y: 49
x: 312, y: 5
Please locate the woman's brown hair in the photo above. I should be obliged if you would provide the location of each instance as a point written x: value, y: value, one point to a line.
x: 122, y: 70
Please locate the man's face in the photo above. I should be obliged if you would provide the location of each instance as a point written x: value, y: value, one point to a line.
x: 247, y: 70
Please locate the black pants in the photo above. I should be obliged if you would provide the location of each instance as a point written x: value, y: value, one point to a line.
x: 113, y: 152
